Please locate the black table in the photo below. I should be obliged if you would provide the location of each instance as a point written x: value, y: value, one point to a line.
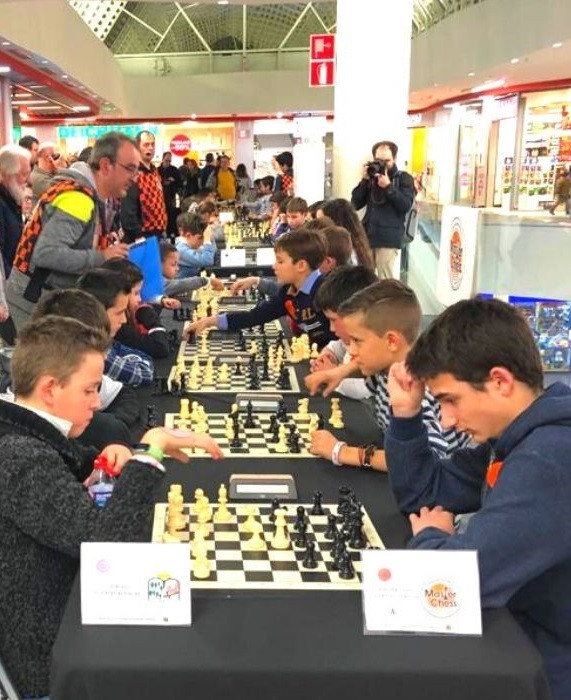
x: 284, y: 645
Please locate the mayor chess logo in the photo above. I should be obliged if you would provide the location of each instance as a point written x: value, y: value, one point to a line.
x: 440, y: 599
x: 455, y: 262
x: 163, y: 587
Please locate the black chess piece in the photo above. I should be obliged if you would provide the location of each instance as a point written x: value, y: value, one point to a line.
x: 275, y: 505
x: 331, y: 532
x: 275, y: 438
x: 183, y: 380
x: 294, y: 446
x: 300, y: 517
x: 301, y: 539
x: 236, y: 439
x: 282, y: 413
x: 320, y: 422
x: 238, y: 369
x: 337, y: 553
x: 317, y: 508
x: 357, y: 540
x: 175, y: 387
x: 249, y: 422
x: 346, y: 568
x: 344, y: 497
x: 285, y: 381
x: 187, y: 315
x: 164, y: 385
x: 309, y: 561
x: 266, y: 370
x: 152, y: 419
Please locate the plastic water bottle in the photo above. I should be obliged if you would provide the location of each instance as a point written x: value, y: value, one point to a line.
x: 101, y: 482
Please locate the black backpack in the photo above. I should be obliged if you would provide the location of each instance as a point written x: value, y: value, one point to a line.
x: 410, y: 219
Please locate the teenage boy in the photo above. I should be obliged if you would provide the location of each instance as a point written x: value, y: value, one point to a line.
x: 382, y: 322
x: 129, y: 366
x: 45, y: 511
x: 479, y: 359
x: 195, y: 246
x: 181, y: 288
x: 261, y: 209
x: 296, y: 213
x: 298, y: 257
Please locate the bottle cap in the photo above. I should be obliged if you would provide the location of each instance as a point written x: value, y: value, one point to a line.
x: 100, y: 462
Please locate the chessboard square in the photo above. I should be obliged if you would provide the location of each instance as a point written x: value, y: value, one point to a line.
x: 285, y: 566
x: 228, y: 554
x: 300, y: 555
x: 226, y: 527
x: 256, y: 565
x: 228, y: 545
x: 239, y: 450
x: 234, y: 579
x: 288, y: 578
x: 258, y: 576
x: 261, y: 555
x: 335, y: 578
x: 222, y: 565
x: 281, y: 555
x: 312, y: 576
x: 226, y: 535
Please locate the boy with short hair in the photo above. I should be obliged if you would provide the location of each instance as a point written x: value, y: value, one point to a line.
x: 194, y: 244
x: 131, y: 367
x: 296, y: 213
x: 298, y: 257
x: 480, y: 360
x: 45, y: 511
x: 382, y: 322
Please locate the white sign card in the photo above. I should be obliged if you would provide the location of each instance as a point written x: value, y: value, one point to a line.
x: 233, y: 257
x: 422, y: 592
x: 457, y: 261
x: 265, y: 256
x: 124, y: 583
x: 226, y: 217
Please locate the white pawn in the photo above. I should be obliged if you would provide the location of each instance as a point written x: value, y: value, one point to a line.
x: 250, y: 520
x: 184, y: 410
x: 256, y: 541
x: 282, y: 444
x: 280, y: 540
x: 314, y: 351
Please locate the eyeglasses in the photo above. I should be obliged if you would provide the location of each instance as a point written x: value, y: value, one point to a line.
x: 133, y: 170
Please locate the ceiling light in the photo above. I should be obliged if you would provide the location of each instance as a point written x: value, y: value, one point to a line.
x: 222, y: 2
x: 492, y: 85
x: 5, y: 43
x: 471, y: 74
x: 64, y: 77
x: 23, y: 115
x: 514, y: 61
x: 30, y: 102
x: 557, y: 45
x: 193, y: 116
x: 35, y: 87
x: 44, y: 109
x: 5, y: 69
x: 44, y: 61
x: 80, y: 108
x: 279, y: 115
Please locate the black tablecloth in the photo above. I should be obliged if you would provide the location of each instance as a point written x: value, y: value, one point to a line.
x: 280, y: 645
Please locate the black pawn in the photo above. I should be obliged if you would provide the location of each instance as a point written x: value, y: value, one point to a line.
x: 300, y: 518
x: 346, y: 568
x: 357, y: 541
x: 317, y: 507
x: 282, y: 413
x: 301, y: 539
x: 238, y: 369
x: 275, y: 438
x: 320, y: 422
x: 309, y: 559
x: 275, y: 505
x: 331, y: 532
x: 266, y: 370
x: 249, y: 422
x: 285, y: 381
x: 294, y: 446
x: 236, y: 439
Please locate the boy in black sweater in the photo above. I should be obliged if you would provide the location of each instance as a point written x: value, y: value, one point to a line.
x: 298, y: 257
x: 45, y: 511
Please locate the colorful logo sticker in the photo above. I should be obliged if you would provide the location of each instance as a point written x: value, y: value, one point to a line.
x: 440, y: 599
x: 455, y: 267
x: 163, y: 587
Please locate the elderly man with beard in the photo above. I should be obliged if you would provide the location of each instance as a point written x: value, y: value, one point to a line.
x: 14, y: 174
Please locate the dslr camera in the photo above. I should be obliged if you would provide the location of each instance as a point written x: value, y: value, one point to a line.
x: 376, y: 167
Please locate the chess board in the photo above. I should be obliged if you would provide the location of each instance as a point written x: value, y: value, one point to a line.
x: 227, y: 343
x: 237, y: 384
x: 255, y: 441
x: 233, y: 567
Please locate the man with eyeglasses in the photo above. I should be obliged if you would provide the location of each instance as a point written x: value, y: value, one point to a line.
x: 62, y: 239
x: 143, y: 210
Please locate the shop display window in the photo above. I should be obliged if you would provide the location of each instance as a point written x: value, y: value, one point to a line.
x: 550, y: 322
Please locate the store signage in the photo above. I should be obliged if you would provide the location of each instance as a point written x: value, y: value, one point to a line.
x: 180, y: 145
x: 95, y: 132
x: 322, y: 60
x: 457, y: 261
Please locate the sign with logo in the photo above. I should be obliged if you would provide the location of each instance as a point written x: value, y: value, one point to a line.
x: 457, y: 261
x: 321, y: 60
x: 430, y: 592
x: 180, y: 145
x: 124, y: 583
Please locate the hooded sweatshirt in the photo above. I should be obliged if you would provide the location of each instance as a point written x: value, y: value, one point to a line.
x: 520, y: 486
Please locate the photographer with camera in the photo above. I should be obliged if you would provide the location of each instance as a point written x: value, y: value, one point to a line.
x: 388, y: 194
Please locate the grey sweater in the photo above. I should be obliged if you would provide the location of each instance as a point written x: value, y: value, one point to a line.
x: 45, y: 515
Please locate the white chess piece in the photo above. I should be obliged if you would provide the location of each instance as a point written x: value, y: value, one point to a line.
x: 280, y: 540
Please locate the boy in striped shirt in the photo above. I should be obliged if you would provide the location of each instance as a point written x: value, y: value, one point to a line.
x: 379, y: 323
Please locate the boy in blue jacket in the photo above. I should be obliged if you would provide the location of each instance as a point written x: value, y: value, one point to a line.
x: 480, y: 361
x: 298, y: 257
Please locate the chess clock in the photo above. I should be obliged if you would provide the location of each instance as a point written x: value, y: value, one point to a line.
x: 262, y: 487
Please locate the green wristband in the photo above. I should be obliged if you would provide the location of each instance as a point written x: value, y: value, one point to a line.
x: 151, y: 450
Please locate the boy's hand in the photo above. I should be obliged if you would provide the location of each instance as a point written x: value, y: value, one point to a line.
x: 208, y: 232
x: 322, y: 443
x: 435, y: 517
x: 172, y: 442
x: 170, y: 303
x: 216, y: 284
x: 119, y: 250
x: 405, y: 392
x: 325, y: 360
x: 4, y: 313
x: 198, y: 327
x: 117, y: 456
x: 329, y: 379
x: 246, y: 283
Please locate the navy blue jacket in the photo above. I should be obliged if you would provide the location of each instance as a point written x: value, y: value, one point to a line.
x: 10, y: 227
x: 522, y: 527
x: 299, y: 306
x: 386, y: 208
